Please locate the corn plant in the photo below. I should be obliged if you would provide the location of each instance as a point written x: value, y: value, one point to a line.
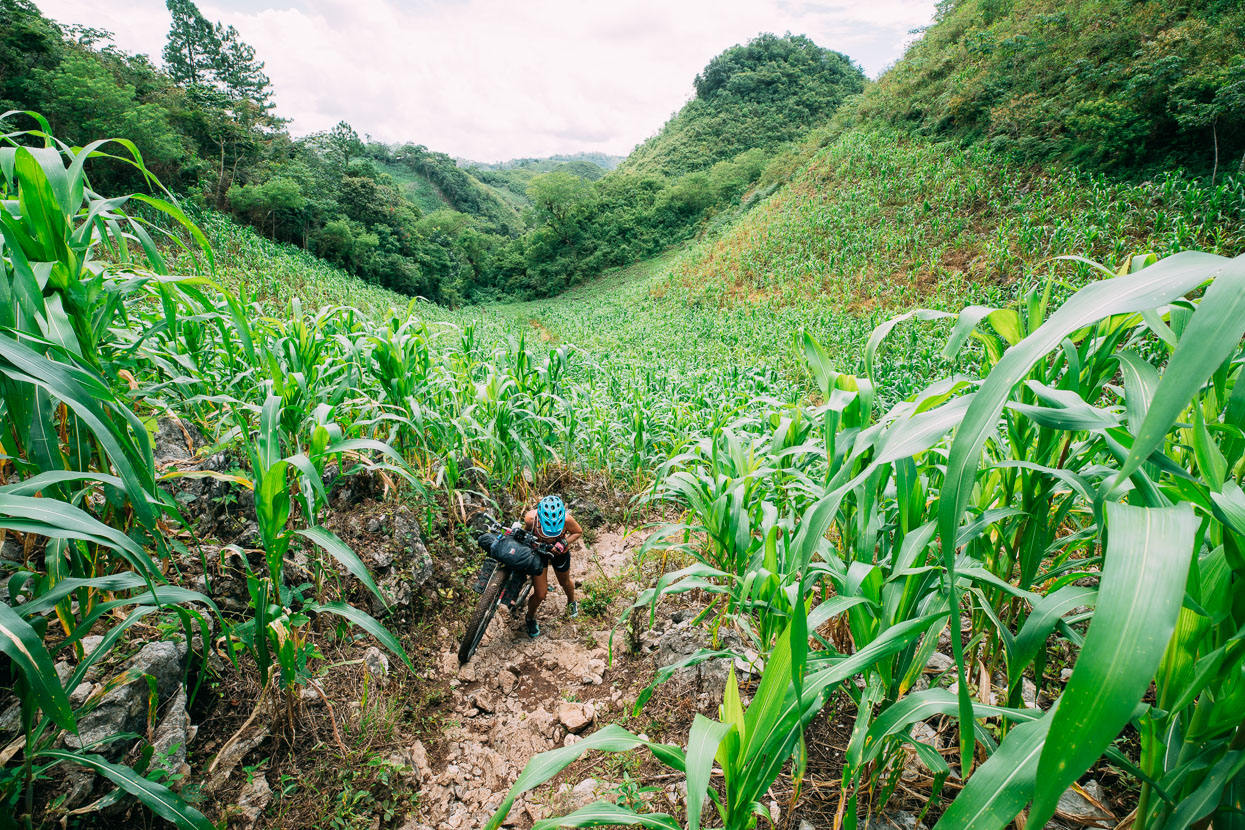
x: 71, y: 439
x: 1096, y: 436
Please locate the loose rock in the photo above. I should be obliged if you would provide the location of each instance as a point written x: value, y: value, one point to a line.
x: 576, y: 716
x: 252, y: 802
x: 376, y: 663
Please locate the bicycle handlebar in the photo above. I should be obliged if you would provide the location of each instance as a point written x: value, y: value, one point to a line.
x: 528, y: 538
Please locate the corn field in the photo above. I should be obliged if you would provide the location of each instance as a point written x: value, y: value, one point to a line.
x: 1082, y: 484
x: 1068, y: 469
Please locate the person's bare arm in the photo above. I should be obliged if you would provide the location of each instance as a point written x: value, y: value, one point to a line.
x: 573, y: 531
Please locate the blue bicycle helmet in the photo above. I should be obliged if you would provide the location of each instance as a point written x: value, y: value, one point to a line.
x: 552, y: 515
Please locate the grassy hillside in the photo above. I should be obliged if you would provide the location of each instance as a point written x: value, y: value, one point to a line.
x: 510, y: 181
x: 870, y: 226
x: 879, y: 220
x: 1115, y: 84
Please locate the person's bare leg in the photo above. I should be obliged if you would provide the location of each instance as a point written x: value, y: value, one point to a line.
x: 540, y: 587
x: 568, y: 584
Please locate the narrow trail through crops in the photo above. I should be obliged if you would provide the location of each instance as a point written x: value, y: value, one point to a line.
x: 519, y: 696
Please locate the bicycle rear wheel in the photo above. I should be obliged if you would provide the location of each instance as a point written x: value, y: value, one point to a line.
x: 481, y: 617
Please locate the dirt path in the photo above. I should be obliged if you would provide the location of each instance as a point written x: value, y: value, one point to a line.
x: 518, y: 697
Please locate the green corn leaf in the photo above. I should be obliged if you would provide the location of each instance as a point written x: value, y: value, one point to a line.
x: 158, y: 798
x: 59, y: 520
x: 611, y: 738
x: 24, y: 647
x: 1161, y: 283
x: 340, y: 551
x: 965, y: 323
x: 110, y: 584
x: 1141, y: 380
x: 1210, y: 337
x: 923, y: 705
x: 1042, y: 621
x: 367, y: 622
x: 1147, y: 560
x: 1202, y: 801
x: 702, y: 746
x: 1001, y: 787
x: 605, y: 814
x: 83, y: 393
x: 879, y: 333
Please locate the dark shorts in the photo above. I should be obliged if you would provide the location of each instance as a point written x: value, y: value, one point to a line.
x: 561, y: 562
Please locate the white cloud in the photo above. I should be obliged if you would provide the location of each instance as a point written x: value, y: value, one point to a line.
x: 496, y: 79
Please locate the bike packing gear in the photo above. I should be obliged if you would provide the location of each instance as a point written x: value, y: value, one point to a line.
x: 509, y: 551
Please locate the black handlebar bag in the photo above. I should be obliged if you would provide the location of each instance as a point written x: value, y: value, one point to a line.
x: 512, y: 553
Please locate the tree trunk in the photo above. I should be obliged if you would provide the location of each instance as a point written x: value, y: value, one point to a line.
x: 1214, y: 130
x: 220, y: 176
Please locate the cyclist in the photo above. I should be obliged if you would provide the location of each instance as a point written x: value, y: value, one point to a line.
x: 551, y: 523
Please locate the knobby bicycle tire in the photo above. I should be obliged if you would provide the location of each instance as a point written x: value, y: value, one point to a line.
x: 482, y: 616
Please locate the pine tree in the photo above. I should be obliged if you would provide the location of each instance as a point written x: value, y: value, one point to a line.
x: 238, y: 73
x: 193, y: 51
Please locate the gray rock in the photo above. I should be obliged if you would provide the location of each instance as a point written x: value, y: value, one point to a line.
x: 165, y: 661
x: 11, y: 719
x: 396, y: 590
x: 91, y: 642
x: 170, y: 441
x: 576, y: 717
x: 380, y: 557
x: 939, y: 663
x: 376, y: 663
x: 80, y: 694
x: 1079, y: 809
x: 252, y: 802
x: 125, y: 708
x: 588, y: 513
x: 173, y: 735
x: 230, y: 756
x: 249, y: 536
x: 78, y: 787
x: 709, y: 676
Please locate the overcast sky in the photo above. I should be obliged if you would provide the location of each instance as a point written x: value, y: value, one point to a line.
x: 491, y: 80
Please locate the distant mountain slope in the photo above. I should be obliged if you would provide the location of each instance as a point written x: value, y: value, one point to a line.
x: 547, y: 164
x: 761, y: 94
x: 434, y: 182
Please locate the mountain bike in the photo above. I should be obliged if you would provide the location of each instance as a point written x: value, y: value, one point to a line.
x: 513, y: 556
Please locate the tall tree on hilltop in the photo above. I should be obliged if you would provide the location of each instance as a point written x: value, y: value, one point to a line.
x: 239, y: 74
x: 193, y: 51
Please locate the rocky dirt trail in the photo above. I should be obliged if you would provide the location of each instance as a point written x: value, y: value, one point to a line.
x: 519, y: 697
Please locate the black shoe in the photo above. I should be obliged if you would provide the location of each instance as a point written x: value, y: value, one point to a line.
x: 572, y: 609
x: 533, y: 628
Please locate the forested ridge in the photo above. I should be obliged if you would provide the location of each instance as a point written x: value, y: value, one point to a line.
x: 407, y: 217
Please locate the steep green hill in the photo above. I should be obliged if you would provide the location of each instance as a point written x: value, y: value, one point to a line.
x: 761, y: 94
x: 1115, y: 84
